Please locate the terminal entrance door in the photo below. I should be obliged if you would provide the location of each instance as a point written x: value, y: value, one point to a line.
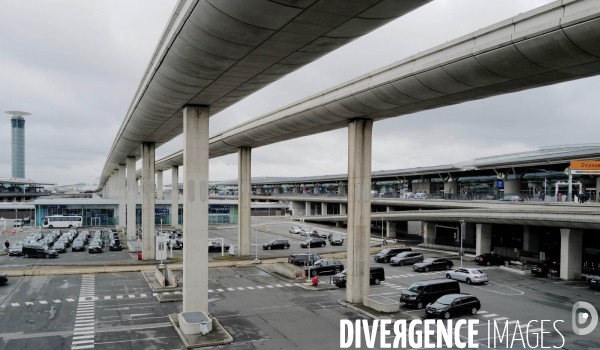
x: 95, y: 221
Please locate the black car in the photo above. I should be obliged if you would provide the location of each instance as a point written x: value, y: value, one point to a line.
x: 433, y: 264
x: 314, y: 242
x: 386, y: 254
x: 216, y: 247
x: 60, y: 247
x: 336, y: 240
x: 593, y: 281
x: 115, y: 244
x: 303, y: 259
x: 95, y: 248
x: 490, y: 259
x: 324, y: 267
x: 543, y: 270
x: 376, y: 275
x: 176, y: 244
x: 78, y: 245
x: 421, y: 293
x: 453, y: 304
x: 65, y: 240
x: 3, y: 277
x: 38, y: 251
x: 277, y: 244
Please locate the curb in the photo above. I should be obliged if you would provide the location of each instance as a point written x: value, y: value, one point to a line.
x: 316, y: 289
x: 228, y: 340
x: 360, y: 311
x: 519, y: 272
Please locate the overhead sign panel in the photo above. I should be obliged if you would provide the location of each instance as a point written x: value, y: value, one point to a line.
x: 585, y: 167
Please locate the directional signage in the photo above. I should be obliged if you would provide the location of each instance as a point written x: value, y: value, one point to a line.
x: 585, y: 167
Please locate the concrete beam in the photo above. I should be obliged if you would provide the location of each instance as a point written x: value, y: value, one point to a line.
x: 175, y: 195
x: 195, y: 208
x: 360, y: 133
x: 244, y: 200
x: 122, y: 196
x: 307, y: 209
x: 571, y: 249
x: 148, y: 212
x: 131, y: 198
x: 159, y: 185
x: 483, y: 234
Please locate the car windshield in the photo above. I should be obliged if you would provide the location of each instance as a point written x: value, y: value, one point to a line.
x: 415, y: 288
x: 59, y: 244
x: 402, y: 255
x: 445, y: 300
x: 428, y: 260
x: 94, y: 244
x: 476, y: 272
x: 385, y: 251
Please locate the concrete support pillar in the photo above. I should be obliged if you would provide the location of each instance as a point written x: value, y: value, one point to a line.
x: 323, y: 208
x: 108, y: 185
x: 390, y: 228
x: 483, y: 233
x: 342, y: 190
x: 360, y: 133
x: 295, y: 190
x: 175, y: 195
x: 195, y: 208
x: 131, y: 198
x: 307, y: 209
x: 122, y: 196
x: 429, y: 232
x: 244, y: 200
x: 276, y: 190
x: 531, y: 240
x: 571, y: 249
x: 450, y: 189
x: 512, y: 187
x: 316, y: 190
x: 148, y: 212
x: 159, y: 185
x: 343, y: 209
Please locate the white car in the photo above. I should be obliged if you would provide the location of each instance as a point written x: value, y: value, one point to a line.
x: 295, y: 229
x: 468, y: 275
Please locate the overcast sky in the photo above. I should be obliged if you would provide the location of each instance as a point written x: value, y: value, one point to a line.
x: 75, y: 66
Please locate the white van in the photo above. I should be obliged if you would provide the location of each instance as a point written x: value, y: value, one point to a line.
x: 17, y: 223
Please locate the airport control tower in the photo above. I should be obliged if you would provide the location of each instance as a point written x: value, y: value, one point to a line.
x: 18, y: 143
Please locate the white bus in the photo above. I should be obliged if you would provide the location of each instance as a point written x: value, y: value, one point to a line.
x: 62, y: 221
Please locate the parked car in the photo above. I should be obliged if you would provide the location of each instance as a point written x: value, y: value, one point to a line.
x: 115, y: 244
x: 376, y: 275
x: 490, y: 259
x: 175, y: 243
x: 295, y: 229
x: 406, y: 258
x: 336, y: 239
x: 95, y: 247
x: 3, y: 277
x: 543, y: 269
x: 65, y: 239
x: 38, y: 251
x: 277, y: 244
x: 215, y: 246
x: 320, y: 234
x: 303, y: 259
x: 387, y: 254
x: 593, y: 281
x: 453, y: 304
x: 324, y: 267
x: 313, y: 242
x: 511, y: 199
x: 433, y: 264
x: 421, y: 293
x: 30, y: 239
x: 78, y: 245
x: 38, y: 235
x: 16, y: 249
x: 468, y: 275
x: 60, y: 247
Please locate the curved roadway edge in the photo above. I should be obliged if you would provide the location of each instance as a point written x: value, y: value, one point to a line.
x: 554, y: 43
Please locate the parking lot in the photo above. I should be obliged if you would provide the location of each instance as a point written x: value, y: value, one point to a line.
x: 260, y: 310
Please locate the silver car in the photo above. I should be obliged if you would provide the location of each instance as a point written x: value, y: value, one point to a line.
x: 468, y: 275
x: 16, y: 249
x: 406, y: 258
x: 295, y: 229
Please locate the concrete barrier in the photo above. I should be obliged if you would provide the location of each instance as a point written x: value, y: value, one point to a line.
x: 172, y: 278
x: 288, y: 270
x: 381, y: 304
x: 159, y: 277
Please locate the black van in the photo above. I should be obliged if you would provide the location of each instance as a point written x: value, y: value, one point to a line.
x: 421, y: 293
x: 388, y: 253
x: 37, y: 251
x: 375, y: 277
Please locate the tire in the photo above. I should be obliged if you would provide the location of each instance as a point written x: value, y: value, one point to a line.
x: 50, y: 226
x: 420, y: 305
x: 488, y: 263
x: 426, y: 269
x: 387, y: 260
x: 269, y: 248
x: 313, y: 273
x: 376, y: 281
x: 469, y: 281
x: 447, y: 267
x: 26, y: 255
x: 337, y: 271
x: 401, y: 263
x: 47, y: 256
x: 474, y: 311
x: 322, y: 245
x: 285, y: 247
x: 448, y: 276
x: 447, y: 315
x: 70, y: 226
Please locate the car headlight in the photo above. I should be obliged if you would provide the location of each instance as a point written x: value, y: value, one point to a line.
x: 414, y: 297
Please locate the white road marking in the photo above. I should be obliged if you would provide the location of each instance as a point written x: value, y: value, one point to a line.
x: 210, y: 290
x: 83, y: 337
x: 15, y: 304
x: 219, y: 290
x: 28, y: 303
x: 70, y: 300
x: 56, y: 301
x: 260, y: 287
x: 106, y: 297
x: 230, y: 289
x: 240, y: 288
x: 490, y: 315
x: 131, y: 296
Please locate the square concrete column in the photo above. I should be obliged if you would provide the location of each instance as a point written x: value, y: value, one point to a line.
x: 159, y: 185
x: 244, y: 200
x: 390, y: 228
x: 295, y: 190
x: 360, y: 133
x: 483, y: 234
x: 323, y: 208
x: 148, y: 212
x: 429, y: 232
x: 108, y: 184
x: 276, y: 190
x: 131, y: 198
x: 195, y: 208
x: 342, y: 190
x: 316, y: 190
x: 571, y: 250
x: 122, y: 196
x: 531, y: 240
x: 307, y: 209
x: 343, y: 209
x: 175, y: 195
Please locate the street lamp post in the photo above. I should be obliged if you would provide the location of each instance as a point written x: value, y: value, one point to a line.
x: 462, y: 232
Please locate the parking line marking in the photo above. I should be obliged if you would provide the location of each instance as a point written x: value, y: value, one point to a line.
x: 56, y: 301
x: 83, y: 337
x: 15, y: 304
x: 490, y: 315
x: 210, y: 290
x: 131, y: 296
x: 106, y: 297
x: 230, y: 289
x: 535, y: 330
x: 501, y: 319
x: 43, y: 302
x: 28, y: 303
x: 84, y: 328
x: 177, y: 292
x: 260, y: 287
x: 83, y: 333
x: 83, y: 318
x: 240, y: 288
x: 482, y: 312
x: 87, y: 341
x: 219, y: 290
x: 143, y: 295
x: 409, y: 275
x: 269, y: 286
x: 121, y: 297
x: 70, y: 300
x: 289, y: 285
x: 83, y: 347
